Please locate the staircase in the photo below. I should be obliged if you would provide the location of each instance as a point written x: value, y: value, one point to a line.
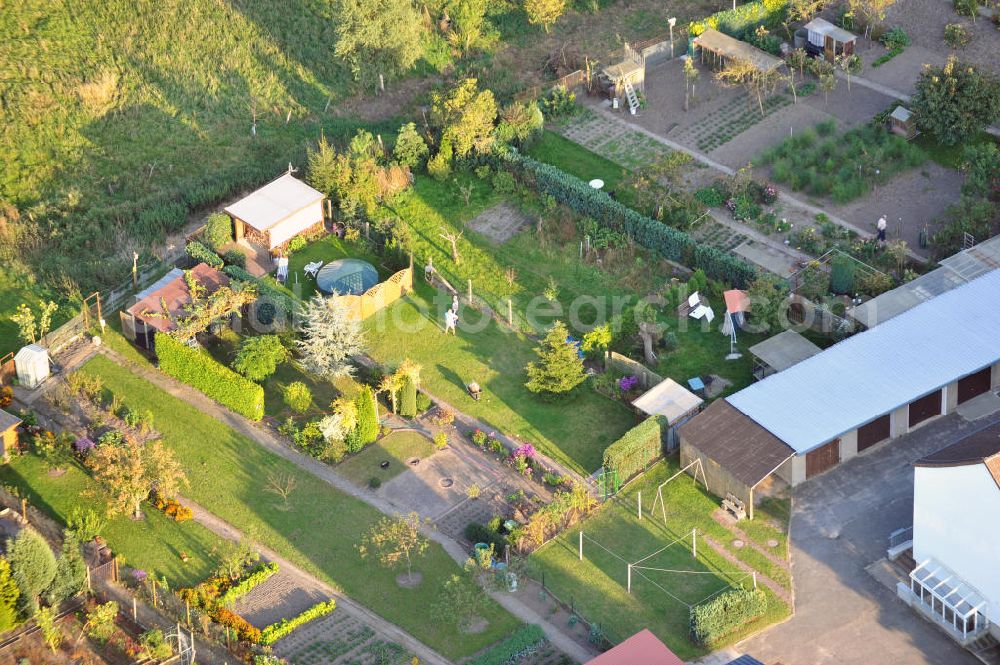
x: 905, y: 563
x: 986, y: 649
x: 633, y: 99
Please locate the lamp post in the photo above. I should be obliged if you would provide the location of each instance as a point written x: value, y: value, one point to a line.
x: 672, y: 21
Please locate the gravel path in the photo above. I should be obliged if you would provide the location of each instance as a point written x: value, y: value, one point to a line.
x: 326, y: 473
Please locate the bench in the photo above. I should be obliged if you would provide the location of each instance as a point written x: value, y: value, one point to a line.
x: 734, y: 506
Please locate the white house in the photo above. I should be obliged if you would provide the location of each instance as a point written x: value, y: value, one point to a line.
x: 277, y: 212
x: 956, y: 507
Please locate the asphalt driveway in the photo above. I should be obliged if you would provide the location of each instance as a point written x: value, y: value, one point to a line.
x: 840, y: 525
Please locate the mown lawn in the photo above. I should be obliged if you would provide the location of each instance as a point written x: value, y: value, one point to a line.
x: 574, y: 159
x: 228, y: 475
x: 395, y: 449
x: 575, y: 430
x: 153, y: 544
x: 597, y: 585
x: 329, y: 248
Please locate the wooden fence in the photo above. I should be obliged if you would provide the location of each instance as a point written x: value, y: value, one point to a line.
x: 379, y: 296
x: 7, y: 369
x: 570, y: 81
x: 647, y: 377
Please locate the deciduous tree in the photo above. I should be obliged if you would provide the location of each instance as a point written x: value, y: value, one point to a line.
x: 956, y: 101
x: 376, y: 37
x: 131, y: 471
x: 259, y: 356
x: 544, y: 12
x: 395, y: 541
x: 465, y: 117
x: 758, y: 83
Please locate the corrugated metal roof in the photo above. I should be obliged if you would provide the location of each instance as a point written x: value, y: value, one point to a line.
x: 274, y: 202
x: 881, y: 369
x: 824, y: 27
x: 956, y: 270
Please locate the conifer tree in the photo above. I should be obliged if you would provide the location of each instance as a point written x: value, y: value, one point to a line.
x: 559, y: 368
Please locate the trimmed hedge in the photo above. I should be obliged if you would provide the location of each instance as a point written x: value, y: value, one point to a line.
x: 199, y: 370
x: 268, y: 292
x: 525, y: 639
x: 259, y: 575
x: 203, y: 254
x: 276, y: 631
x: 743, y: 21
x: 408, y: 399
x: 665, y: 240
x: 636, y: 448
x: 719, y: 617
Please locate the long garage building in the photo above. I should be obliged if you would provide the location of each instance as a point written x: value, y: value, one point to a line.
x: 874, y: 386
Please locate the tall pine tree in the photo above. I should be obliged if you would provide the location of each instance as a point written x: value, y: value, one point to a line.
x: 368, y: 424
x: 559, y: 368
x: 71, y: 572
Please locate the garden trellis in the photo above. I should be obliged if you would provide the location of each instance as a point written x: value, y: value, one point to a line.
x: 731, y: 579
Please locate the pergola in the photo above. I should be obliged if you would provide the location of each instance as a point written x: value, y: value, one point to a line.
x: 723, y: 47
x: 948, y: 599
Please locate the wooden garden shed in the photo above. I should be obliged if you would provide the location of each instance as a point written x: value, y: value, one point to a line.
x: 826, y: 39
x: 277, y: 212
x: 722, y: 47
x: 672, y: 401
x: 8, y: 433
x: 902, y: 122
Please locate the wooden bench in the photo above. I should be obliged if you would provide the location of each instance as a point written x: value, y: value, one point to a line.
x: 736, y: 507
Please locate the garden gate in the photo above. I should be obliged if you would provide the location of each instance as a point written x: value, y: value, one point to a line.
x: 607, y: 482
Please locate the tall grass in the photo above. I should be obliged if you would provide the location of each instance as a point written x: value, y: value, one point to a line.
x: 843, y: 167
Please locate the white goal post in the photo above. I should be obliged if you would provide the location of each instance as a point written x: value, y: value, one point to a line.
x: 696, y: 462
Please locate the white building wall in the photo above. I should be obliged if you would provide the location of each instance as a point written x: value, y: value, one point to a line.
x: 955, y: 513
x: 296, y: 223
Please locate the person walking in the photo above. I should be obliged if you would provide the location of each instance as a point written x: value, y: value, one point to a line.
x: 880, y: 228
x: 450, y: 322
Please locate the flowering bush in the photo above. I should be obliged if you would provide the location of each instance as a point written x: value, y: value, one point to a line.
x: 496, y: 445
x: 82, y: 446
x: 527, y: 450
x: 243, y: 628
x: 139, y: 575
x: 480, y: 438
x: 627, y: 383
x: 6, y: 396
x: 770, y: 194
x: 520, y: 462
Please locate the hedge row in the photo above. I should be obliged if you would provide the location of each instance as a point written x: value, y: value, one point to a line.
x: 656, y: 236
x: 639, y: 446
x: 268, y: 291
x: 259, y: 575
x: 276, y: 631
x: 525, y: 639
x: 744, y: 20
x: 199, y: 370
x: 203, y: 254
x: 719, y: 617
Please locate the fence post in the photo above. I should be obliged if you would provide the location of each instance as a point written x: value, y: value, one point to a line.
x: 640, y: 504
x: 470, y: 291
x: 694, y: 542
x: 510, y: 312
x: 581, y: 545
x: 630, y: 578
x: 135, y: 611
x: 24, y: 510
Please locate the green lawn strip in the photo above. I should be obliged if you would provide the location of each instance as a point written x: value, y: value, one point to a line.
x: 395, y: 449
x: 574, y: 431
x: 949, y: 156
x: 577, y: 160
x: 228, y: 472
x: 432, y: 207
x: 770, y: 522
x: 596, y: 586
x: 16, y: 289
x: 153, y: 544
x: 700, y: 352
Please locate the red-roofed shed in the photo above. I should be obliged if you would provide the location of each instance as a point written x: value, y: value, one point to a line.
x: 643, y: 648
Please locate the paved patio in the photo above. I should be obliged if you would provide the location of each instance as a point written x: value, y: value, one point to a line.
x: 840, y: 524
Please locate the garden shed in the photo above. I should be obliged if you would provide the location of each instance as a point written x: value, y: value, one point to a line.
x: 643, y: 647
x: 902, y: 122
x: 146, y: 317
x: 8, y: 433
x: 722, y: 47
x: 778, y: 353
x: 277, y: 212
x: 736, y: 453
x: 32, y: 363
x: 672, y: 401
x: 826, y: 39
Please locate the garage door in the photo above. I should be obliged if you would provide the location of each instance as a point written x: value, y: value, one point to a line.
x: 875, y: 431
x: 821, y: 459
x: 926, y: 407
x: 974, y: 384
